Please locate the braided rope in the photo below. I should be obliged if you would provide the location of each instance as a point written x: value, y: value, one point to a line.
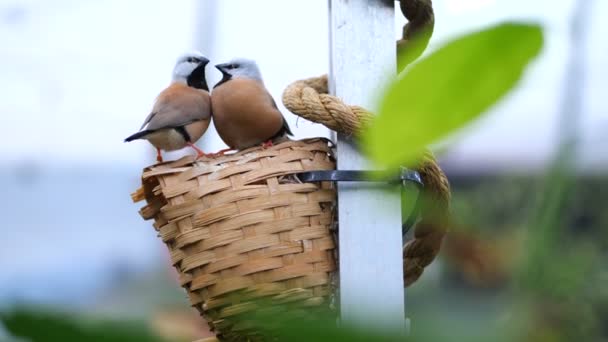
x: 309, y: 99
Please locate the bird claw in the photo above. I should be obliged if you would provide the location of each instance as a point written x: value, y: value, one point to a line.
x: 221, y: 153
x: 199, y: 152
x: 206, y: 155
x: 267, y: 144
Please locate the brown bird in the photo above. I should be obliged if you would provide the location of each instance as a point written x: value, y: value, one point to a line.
x: 244, y: 112
x: 182, y: 112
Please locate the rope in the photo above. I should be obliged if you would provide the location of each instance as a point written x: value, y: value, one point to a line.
x: 309, y: 99
x: 417, y: 32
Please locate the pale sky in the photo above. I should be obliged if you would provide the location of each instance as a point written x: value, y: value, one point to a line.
x: 78, y: 77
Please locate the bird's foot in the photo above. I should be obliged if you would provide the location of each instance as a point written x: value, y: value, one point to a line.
x: 159, y: 157
x: 267, y: 144
x: 222, y: 152
x: 199, y: 152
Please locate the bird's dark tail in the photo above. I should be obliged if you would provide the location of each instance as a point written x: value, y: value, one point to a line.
x: 138, y: 135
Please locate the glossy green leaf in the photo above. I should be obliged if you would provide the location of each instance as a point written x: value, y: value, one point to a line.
x: 448, y: 89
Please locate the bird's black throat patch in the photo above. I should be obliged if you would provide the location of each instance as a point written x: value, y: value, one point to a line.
x: 225, y: 78
x: 197, y: 78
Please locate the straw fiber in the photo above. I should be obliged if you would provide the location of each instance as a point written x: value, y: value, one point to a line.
x: 242, y: 227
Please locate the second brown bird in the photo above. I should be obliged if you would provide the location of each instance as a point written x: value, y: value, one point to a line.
x: 244, y: 112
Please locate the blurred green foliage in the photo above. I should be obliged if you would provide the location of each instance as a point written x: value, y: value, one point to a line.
x: 40, y: 326
x: 448, y: 89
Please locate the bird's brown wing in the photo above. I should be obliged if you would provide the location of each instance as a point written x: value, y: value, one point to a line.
x: 148, y: 118
x: 177, y: 106
x: 285, y: 130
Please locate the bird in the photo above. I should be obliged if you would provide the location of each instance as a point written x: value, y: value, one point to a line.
x: 244, y: 112
x: 182, y: 112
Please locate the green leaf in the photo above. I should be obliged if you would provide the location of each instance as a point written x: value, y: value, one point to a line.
x: 48, y: 327
x: 449, y: 89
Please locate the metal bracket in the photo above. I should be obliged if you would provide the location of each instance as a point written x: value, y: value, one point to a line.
x: 406, y: 178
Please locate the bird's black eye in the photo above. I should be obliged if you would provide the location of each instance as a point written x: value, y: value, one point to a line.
x: 233, y: 66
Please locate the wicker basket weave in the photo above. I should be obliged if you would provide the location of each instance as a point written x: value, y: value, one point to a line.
x: 243, y: 227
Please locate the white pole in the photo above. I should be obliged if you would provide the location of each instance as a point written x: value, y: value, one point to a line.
x: 362, y: 56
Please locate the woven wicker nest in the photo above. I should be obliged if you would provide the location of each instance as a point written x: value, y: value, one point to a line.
x: 243, y: 227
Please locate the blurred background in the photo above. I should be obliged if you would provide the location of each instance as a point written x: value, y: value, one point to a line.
x: 80, y: 76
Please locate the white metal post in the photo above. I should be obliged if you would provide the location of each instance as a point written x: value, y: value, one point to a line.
x: 362, y: 38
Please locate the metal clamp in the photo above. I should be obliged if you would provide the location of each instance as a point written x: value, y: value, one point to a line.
x: 406, y: 178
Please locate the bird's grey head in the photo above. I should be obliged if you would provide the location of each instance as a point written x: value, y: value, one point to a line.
x: 190, y: 69
x: 240, y: 68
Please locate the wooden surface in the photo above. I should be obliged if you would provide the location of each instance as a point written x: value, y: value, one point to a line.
x: 362, y: 54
